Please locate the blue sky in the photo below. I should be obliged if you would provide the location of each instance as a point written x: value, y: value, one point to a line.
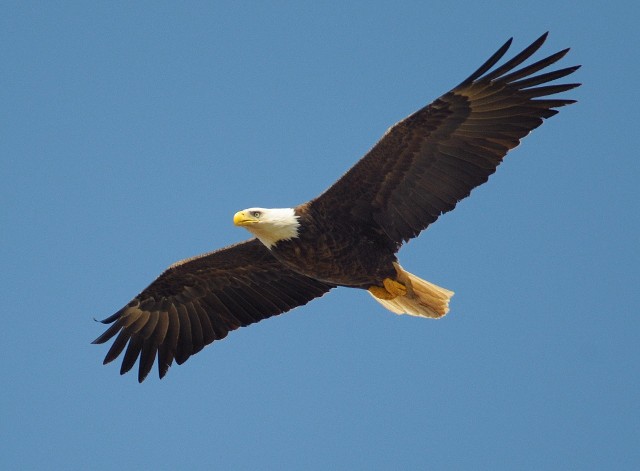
x: 132, y: 133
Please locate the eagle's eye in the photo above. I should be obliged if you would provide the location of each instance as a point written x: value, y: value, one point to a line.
x: 256, y: 214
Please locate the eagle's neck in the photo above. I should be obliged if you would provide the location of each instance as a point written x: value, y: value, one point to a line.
x: 277, y: 224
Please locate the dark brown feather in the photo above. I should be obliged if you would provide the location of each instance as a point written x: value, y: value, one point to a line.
x: 432, y: 159
x: 200, y: 300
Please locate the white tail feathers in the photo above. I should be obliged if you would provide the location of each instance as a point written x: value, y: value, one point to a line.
x: 423, y: 299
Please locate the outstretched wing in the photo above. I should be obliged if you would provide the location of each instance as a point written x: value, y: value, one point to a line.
x: 202, y: 299
x: 432, y: 159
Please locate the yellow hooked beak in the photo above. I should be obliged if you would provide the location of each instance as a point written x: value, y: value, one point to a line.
x: 243, y: 218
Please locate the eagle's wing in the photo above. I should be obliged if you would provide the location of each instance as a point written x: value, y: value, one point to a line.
x: 199, y: 300
x: 432, y: 159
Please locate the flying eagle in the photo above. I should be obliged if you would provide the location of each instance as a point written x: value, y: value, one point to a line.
x: 350, y: 234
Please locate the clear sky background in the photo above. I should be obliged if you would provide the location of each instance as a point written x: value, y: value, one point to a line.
x: 130, y: 134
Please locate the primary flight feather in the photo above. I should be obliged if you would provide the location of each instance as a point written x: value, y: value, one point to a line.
x: 349, y: 235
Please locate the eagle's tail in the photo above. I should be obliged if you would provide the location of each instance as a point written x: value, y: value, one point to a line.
x: 423, y: 299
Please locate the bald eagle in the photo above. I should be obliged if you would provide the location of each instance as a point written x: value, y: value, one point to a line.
x: 350, y: 234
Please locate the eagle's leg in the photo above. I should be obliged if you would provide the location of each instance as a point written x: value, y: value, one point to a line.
x: 392, y: 289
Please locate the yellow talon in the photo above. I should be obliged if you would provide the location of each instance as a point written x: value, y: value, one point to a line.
x: 380, y: 293
x: 392, y: 289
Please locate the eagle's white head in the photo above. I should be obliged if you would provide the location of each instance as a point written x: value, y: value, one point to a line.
x: 269, y: 225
